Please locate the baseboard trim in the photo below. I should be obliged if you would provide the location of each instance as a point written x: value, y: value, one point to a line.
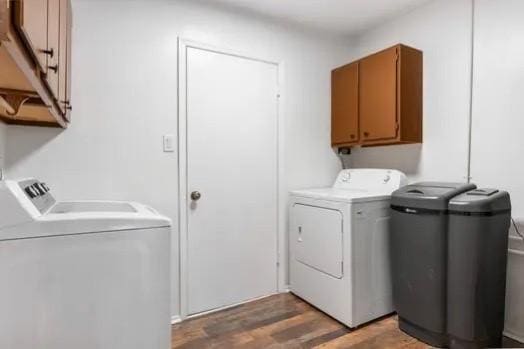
x: 177, y: 318
x: 229, y: 306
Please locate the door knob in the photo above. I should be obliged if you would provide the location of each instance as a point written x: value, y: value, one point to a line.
x: 195, y: 196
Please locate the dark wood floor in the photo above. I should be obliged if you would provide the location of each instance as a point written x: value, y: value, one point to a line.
x: 285, y: 321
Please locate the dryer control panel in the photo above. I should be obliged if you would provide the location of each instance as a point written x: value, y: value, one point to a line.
x: 370, y: 179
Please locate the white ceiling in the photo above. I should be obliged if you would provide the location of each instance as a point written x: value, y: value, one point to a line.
x: 344, y: 17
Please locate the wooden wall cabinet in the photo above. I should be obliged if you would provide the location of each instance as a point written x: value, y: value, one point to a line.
x: 377, y: 100
x: 35, y: 61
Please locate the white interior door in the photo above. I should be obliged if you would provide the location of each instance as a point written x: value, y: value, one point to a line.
x: 231, y: 112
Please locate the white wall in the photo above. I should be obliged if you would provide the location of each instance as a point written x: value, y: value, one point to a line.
x: 442, y: 30
x: 125, y: 99
x: 498, y: 99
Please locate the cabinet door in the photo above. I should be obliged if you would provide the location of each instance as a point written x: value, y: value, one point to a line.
x: 344, y: 104
x: 4, y: 20
x: 62, y: 57
x: 69, y: 27
x: 31, y: 21
x: 53, y: 44
x: 64, y: 63
x: 378, y: 96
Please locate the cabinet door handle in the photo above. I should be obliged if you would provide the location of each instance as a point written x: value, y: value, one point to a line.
x: 366, y: 134
x: 50, y: 52
x: 67, y: 105
x: 352, y: 136
x: 53, y: 68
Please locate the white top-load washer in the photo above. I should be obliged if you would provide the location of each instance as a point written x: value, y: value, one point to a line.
x: 83, y: 274
x: 339, y: 245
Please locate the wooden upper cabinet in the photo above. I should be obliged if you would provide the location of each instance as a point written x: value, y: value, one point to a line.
x: 31, y: 21
x: 35, y: 62
x: 344, y: 104
x: 389, y: 102
x: 378, y: 96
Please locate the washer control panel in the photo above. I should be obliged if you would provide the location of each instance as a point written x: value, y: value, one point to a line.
x: 38, y: 193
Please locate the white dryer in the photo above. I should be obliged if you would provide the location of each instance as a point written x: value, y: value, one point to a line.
x: 339, y: 245
x: 83, y: 274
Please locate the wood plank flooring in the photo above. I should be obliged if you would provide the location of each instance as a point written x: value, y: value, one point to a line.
x: 285, y: 321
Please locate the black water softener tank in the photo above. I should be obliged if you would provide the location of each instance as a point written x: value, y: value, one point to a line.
x: 419, y: 242
x: 479, y: 221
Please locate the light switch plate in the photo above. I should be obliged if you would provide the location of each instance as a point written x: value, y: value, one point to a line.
x: 169, y: 143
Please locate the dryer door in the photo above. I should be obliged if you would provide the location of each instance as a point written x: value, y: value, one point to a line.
x: 319, y: 238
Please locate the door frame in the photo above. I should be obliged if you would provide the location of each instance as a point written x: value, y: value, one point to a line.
x: 280, y: 260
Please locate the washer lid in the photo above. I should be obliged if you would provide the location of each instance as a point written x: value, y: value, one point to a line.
x: 343, y: 195
x: 82, y: 217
